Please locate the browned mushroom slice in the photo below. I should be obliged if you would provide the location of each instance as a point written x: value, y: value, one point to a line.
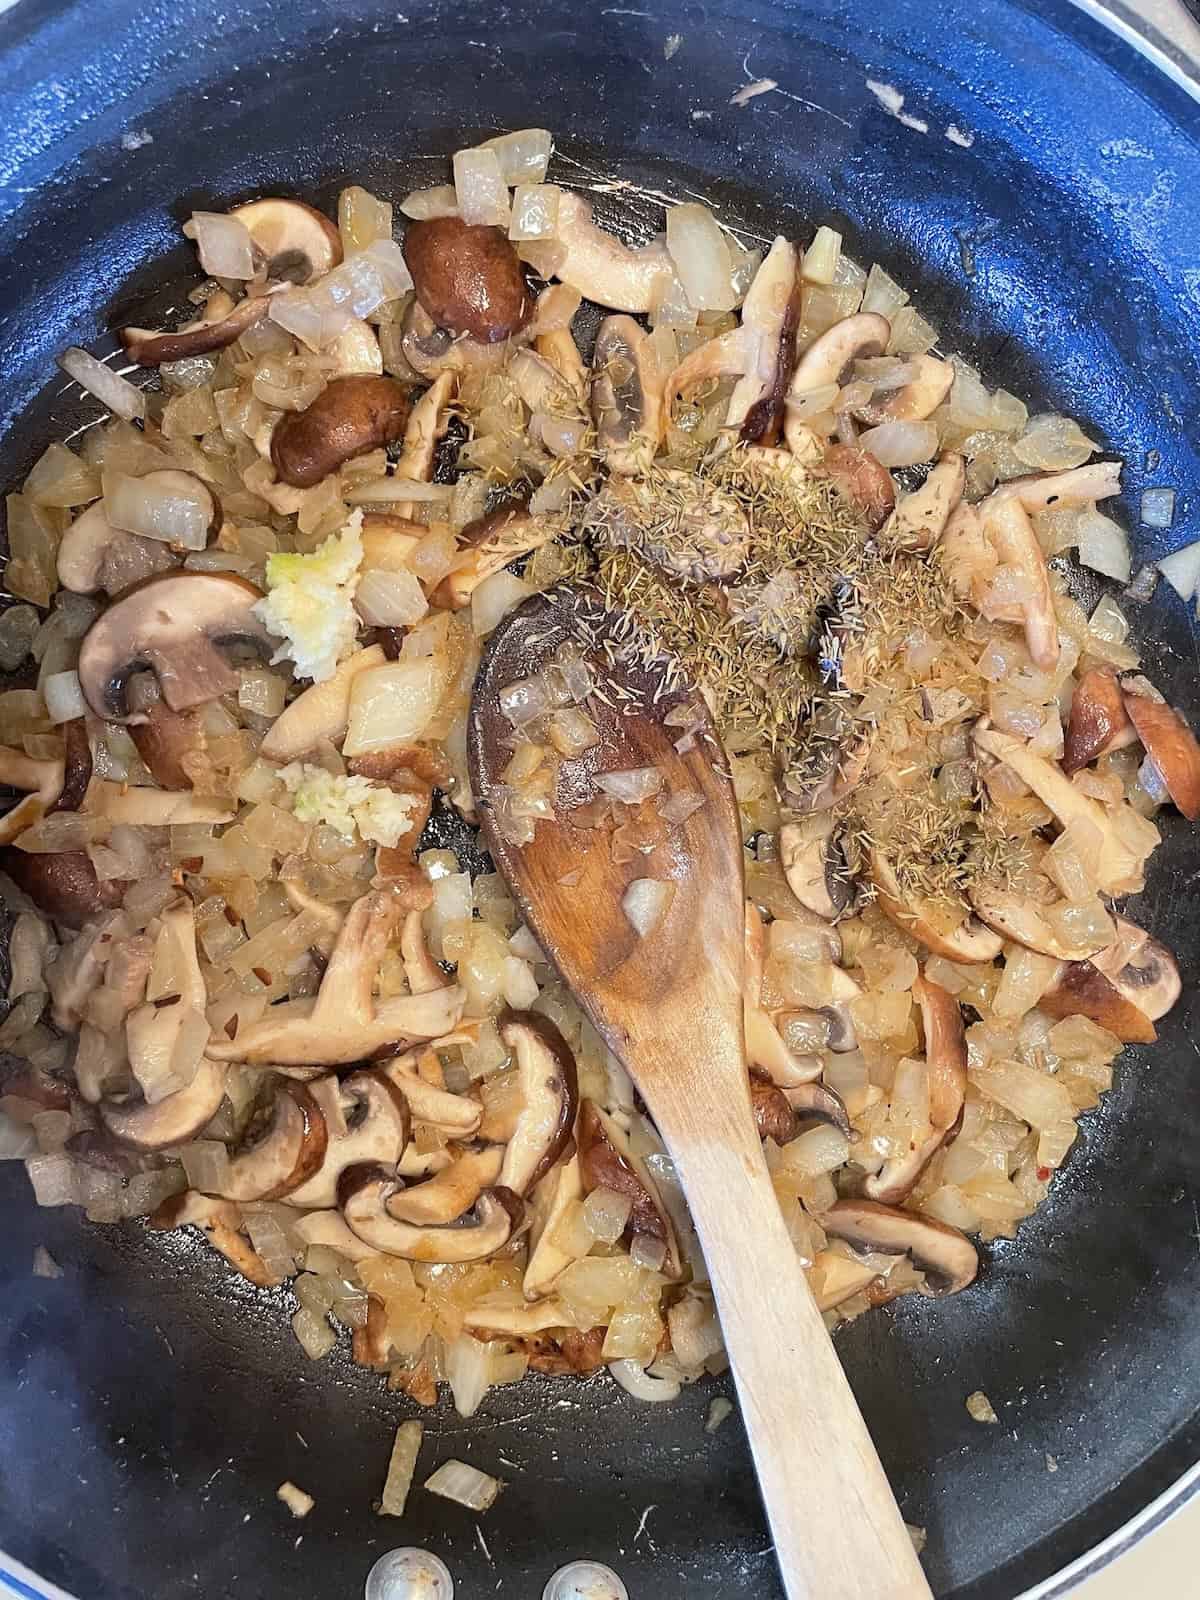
x: 1016, y: 917
x: 222, y: 1221
x: 1169, y: 742
x: 920, y: 518
x: 917, y: 399
x: 969, y: 942
x: 77, y: 749
x: 946, y: 1065
x: 864, y: 481
x: 627, y: 395
x: 552, y: 1197
x: 328, y: 1228
x: 422, y: 971
x: 1081, y: 990
x: 150, y: 349
x: 468, y: 278
x: 177, y: 627
x: 606, y: 1161
x: 490, y: 543
x: 294, y: 242
x: 363, y: 1199
x: 827, y: 358
x: 947, y: 1257
x: 449, y: 1193
x: 548, y: 1085
x: 349, y: 417
x: 1142, y: 969
x: 774, y: 1117
x: 1080, y: 486
x: 427, y: 423
x: 376, y: 1129
x: 171, y: 743
x: 63, y: 885
x: 835, y: 768
x: 456, y: 1114
x: 94, y: 555
x: 282, y: 1151
x: 816, y: 1102
x: 814, y: 865
x: 770, y: 317
x: 1098, y: 721
x: 1006, y: 523
x: 42, y: 783
x: 173, y: 1120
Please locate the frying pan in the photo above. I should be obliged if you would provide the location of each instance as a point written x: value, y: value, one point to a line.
x: 150, y: 1404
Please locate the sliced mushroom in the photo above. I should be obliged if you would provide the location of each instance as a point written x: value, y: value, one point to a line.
x: 78, y: 968
x: 816, y: 1102
x: 516, y: 1322
x: 600, y: 266
x: 455, y: 1114
x: 920, y: 518
x: 282, y: 1152
x: 947, y: 1257
x: 320, y: 713
x: 427, y: 424
x: 835, y: 771
x: 864, y: 481
x: 969, y: 942
x: 1098, y: 722
x: 168, y: 741
x: 364, y: 1197
x: 63, y: 885
x: 349, y: 417
x: 627, y: 396
x: 42, y: 783
x: 150, y: 349
x: 422, y: 971
x: 222, y: 1221
x: 345, y: 1023
x: 375, y: 1129
x: 176, y: 627
x: 468, y: 278
x: 490, y: 543
x: 1081, y: 990
x: 77, y: 754
x: 774, y: 1117
x: 173, y: 1120
x: 1018, y: 918
x: 451, y: 1192
x: 814, y: 865
x: 687, y: 526
x: 92, y: 551
x: 1006, y: 523
x: 143, y: 807
x: 1081, y: 486
x: 826, y: 359
x: 328, y: 1228
x: 430, y: 350
x: 294, y: 242
x: 1143, y: 971
x: 548, y: 1082
x: 968, y: 557
x: 607, y: 1161
x: 552, y: 1196
x: 946, y: 1066
x: 1169, y: 742
x: 919, y: 398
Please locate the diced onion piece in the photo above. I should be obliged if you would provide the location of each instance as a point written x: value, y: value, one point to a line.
x: 669, y: 304
x: 53, y: 1179
x: 176, y: 512
x: 423, y: 204
x: 481, y: 189
x: 495, y: 598
x: 1158, y: 508
x: 697, y: 247
x: 17, y: 1139
x: 632, y: 785
x: 718, y: 1410
x: 206, y: 1163
x: 44, y: 1264
x: 645, y: 904
x: 319, y: 312
x: 314, y: 1332
x: 882, y: 294
x: 467, y: 1364
x: 820, y: 1150
x: 389, y: 490
x: 390, y: 599
x: 121, y: 397
x: 1181, y: 569
x: 223, y: 244
x: 811, y: 402
x: 403, y: 1464
x: 821, y: 257
x: 606, y: 1214
x: 556, y: 308
x: 534, y: 211
x: 901, y: 444
x: 63, y: 696
x: 679, y: 805
x: 635, y: 1380
x: 523, y: 155
x: 647, y: 1251
x: 392, y: 704
x: 981, y: 1408
x: 572, y: 731
x: 298, y: 1502
x: 465, y: 1485
x: 1052, y: 444
x: 1103, y: 546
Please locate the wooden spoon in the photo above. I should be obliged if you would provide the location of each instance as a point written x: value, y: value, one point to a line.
x: 670, y: 1007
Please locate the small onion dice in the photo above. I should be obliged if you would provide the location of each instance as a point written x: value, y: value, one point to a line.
x: 645, y: 904
x: 481, y: 189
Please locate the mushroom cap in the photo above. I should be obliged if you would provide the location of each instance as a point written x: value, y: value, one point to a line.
x: 1098, y: 721
x: 284, y: 1152
x: 1006, y: 523
x: 864, y: 334
x: 468, y: 278
x: 165, y: 739
x: 865, y: 482
x: 817, y: 1102
x: 42, y: 782
x: 455, y: 1114
x: 774, y: 1117
x: 1169, y: 742
x: 549, y: 1085
x: 689, y: 528
x: 1082, y: 990
x: 946, y: 1256
x: 349, y: 417
x: 376, y: 1128
x: 363, y: 1198
x: 170, y: 1121
x: 295, y: 241
x: 63, y: 885
x: 770, y: 318
x: 150, y: 349
x: 814, y: 865
x: 946, y: 1062
x: 173, y: 626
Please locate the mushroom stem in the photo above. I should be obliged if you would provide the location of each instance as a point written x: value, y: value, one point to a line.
x: 41, y: 782
x: 1006, y: 523
x: 920, y: 518
x: 600, y: 266
x: 426, y: 425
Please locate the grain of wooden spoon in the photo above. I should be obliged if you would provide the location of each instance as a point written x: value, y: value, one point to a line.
x: 670, y: 1006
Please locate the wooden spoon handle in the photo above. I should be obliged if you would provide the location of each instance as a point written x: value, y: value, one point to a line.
x: 838, y: 1532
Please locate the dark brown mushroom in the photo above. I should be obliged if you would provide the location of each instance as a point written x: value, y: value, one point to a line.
x: 864, y: 481
x: 177, y: 627
x: 468, y: 278
x: 548, y: 1082
x: 1082, y: 990
x: 774, y: 1117
x: 770, y: 318
x: 283, y: 1147
x: 363, y: 1196
x: 606, y: 1161
x: 222, y: 1222
x: 150, y: 349
x: 366, y: 1120
x: 1098, y: 721
x: 166, y: 740
x: 77, y: 761
x: 947, y: 1257
x: 1169, y: 742
x: 64, y: 885
x: 294, y: 242
x: 815, y: 1102
x: 349, y: 417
